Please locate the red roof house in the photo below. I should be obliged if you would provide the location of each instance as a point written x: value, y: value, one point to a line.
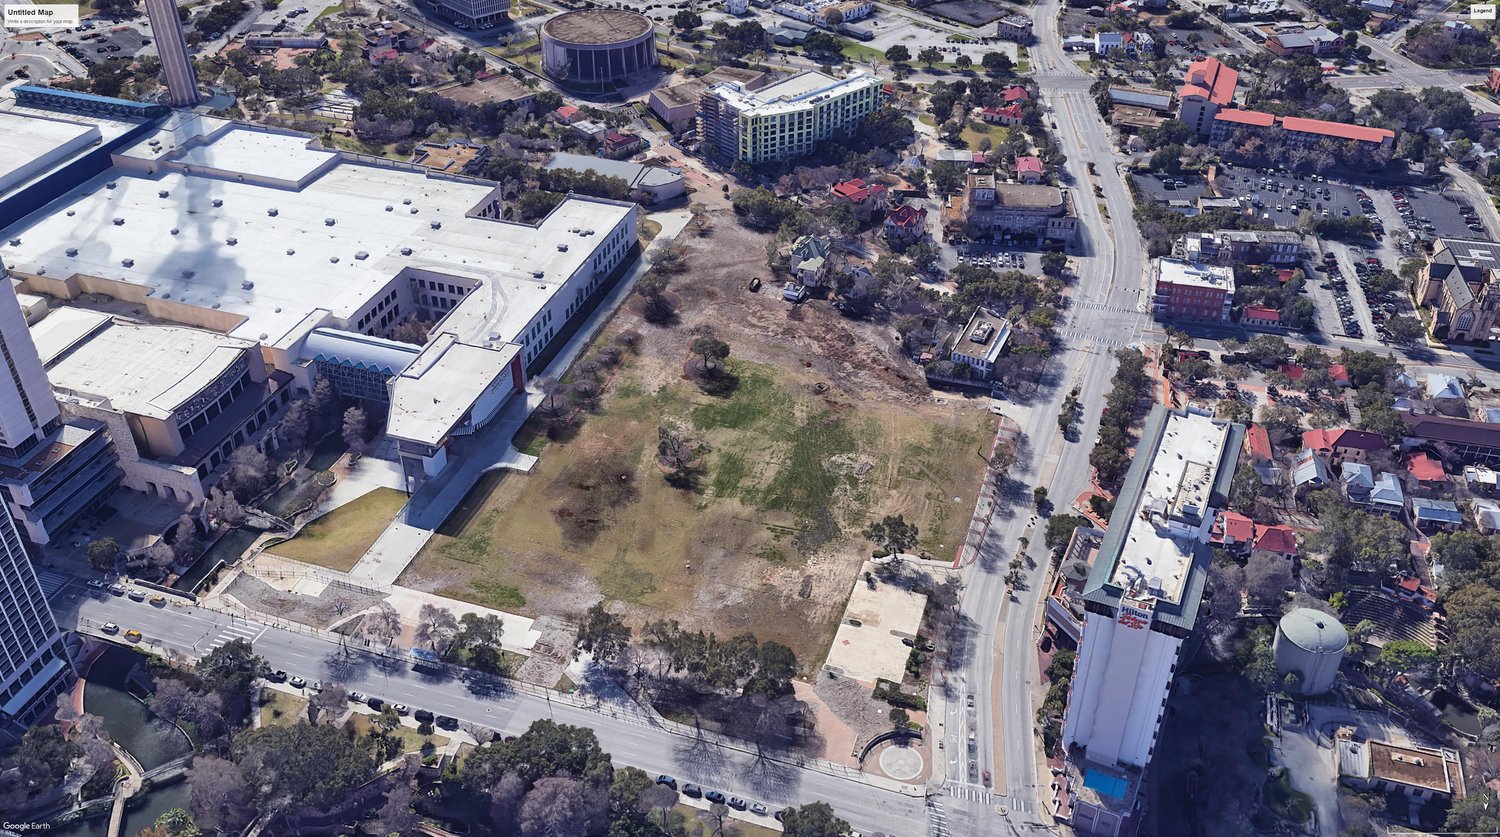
x: 567, y: 114
x: 1260, y: 315
x: 1354, y: 445
x: 1292, y: 370
x: 905, y: 223
x: 1231, y: 528
x: 1340, y: 374
x: 857, y: 191
x: 1015, y: 93
x: 1259, y: 441
x: 1008, y: 115
x: 1028, y: 169
x: 1425, y: 469
x: 1279, y: 539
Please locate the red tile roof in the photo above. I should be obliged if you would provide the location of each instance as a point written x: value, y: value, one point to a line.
x: 1319, y: 439
x: 1029, y: 164
x: 1261, y: 312
x: 1293, y: 371
x: 850, y: 188
x: 1276, y: 538
x: 1259, y: 441
x: 1232, y: 526
x: 567, y: 111
x: 1015, y: 93
x: 1255, y: 118
x: 1424, y: 468
x: 1210, y: 78
x: 1340, y: 374
x: 906, y: 216
x: 1337, y: 130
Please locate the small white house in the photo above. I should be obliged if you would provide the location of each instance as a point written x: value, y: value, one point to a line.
x: 981, y: 343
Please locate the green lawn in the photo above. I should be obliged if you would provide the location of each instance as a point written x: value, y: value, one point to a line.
x: 861, y: 54
x: 1023, y: 61
x: 338, y: 540
x: 283, y: 710
x: 411, y: 740
x: 697, y: 823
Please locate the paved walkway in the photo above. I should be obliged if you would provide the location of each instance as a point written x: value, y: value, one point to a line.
x: 490, y: 448
x: 127, y: 788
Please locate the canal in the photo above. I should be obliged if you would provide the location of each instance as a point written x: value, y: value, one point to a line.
x: 152, y: 741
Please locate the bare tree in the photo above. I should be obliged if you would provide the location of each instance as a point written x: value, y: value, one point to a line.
x: 383, y: 625
x: 436, y: 627
x: 221, y: 795
x: 222, y: 507
x: 562, y: 806
x: 1267, y: 578
x: 356, y: 429
x: 658, y: 798
x: 332, y: 701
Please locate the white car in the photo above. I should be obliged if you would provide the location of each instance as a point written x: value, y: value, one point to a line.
x: 110, y: 628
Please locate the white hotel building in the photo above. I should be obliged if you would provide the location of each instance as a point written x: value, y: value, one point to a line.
x: 1142, y: 598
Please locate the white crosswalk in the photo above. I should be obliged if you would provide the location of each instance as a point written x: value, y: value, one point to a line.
x: 51, y: 582
x: 234, y: 632
x: 971, y: 792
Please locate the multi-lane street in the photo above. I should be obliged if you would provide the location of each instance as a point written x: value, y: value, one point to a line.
x: 999, y: 667
x: 628, y: 734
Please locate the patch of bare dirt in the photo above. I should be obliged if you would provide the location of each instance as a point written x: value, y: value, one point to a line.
x: 321, y: 611
x: 852, y: 702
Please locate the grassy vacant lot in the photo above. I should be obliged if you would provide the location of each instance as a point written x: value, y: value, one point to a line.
x: 773, y: 525
x: 283, y: 710
x: 698, y: 824
x: 340, y: 538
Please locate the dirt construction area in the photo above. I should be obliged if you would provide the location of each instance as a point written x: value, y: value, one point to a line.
x: 828, y: 429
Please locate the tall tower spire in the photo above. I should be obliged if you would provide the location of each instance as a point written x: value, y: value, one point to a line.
x: 176, y: 63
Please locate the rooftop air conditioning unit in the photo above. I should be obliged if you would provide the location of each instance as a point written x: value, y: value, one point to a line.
x: 119, y: 222
x: 273, y: 212
x: 328, y: 222
x: 163, y: 193
x: 406, y: 251
x: 437, y: 225
x: 231, y: 241
x: 333, y: 259
x: 390, y: 208
x: 72, y: 251
x: 110, y: 185
x: 174, y: 231
x: 15, y: 242
x: 218, y: 202
x: 361, y: 255
x: 562, y: 248
x: 246, y: 285
x: 537, y: 274
x: 290, y: 251
x: 128, y: 262
x: 414, y: 210
x: 406, y: 201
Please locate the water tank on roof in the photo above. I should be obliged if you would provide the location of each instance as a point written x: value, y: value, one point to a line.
x: 1311, y: 644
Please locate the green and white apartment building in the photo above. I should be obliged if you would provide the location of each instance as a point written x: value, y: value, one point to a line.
x: 784, y: 120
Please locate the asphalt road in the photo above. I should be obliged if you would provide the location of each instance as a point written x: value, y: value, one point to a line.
x: 1000, y: 666
x: 629, y: 736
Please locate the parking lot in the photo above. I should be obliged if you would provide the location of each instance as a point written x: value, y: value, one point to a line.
x: 996, y: 257
x: 1280, y: 197
x: 1165, y: 188
x: 94, y: 44
x: 1438, y: 214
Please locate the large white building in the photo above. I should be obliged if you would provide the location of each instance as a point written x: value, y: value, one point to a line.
x: 1141, y: 601
x: 34, y: 664
x: 275, y: 261
x: 784, y: 120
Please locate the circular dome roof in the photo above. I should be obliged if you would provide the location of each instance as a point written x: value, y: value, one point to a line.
x: 1314, y: 630
x: 594, y: 27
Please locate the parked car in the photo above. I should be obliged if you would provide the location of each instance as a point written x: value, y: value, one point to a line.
x: 159, y: 600
x: 133, y: 635
x: 356, y: 697
x: 401, y: 708
x: 446, y: 722
x: 110, y: 628
x: 96, y: 584
x: 664, y: 779
x: 277, y: 676
x: 714, y: 796
x: 692, y: 790
x: 736, y: 803
x: 297, y: 683
x: 759, y: 808
x: 138, y: 595
x: 422, y: 716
